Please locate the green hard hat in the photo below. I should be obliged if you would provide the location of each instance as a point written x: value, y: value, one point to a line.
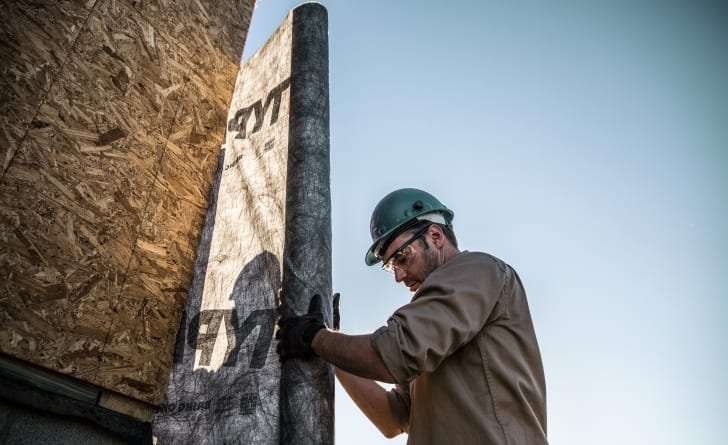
x: 398, y: 211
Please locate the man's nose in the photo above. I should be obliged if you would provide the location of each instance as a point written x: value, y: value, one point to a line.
x: 399, y: 275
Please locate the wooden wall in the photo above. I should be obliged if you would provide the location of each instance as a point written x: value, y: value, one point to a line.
x: 113, y: 113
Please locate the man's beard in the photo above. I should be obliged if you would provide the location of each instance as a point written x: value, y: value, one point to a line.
x: 431, y: 260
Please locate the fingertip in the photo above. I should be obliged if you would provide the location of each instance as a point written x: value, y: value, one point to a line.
x: 315, y: 304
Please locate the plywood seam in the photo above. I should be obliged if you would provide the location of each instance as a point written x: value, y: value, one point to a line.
x: 52, y: 83
x: 143, y: 218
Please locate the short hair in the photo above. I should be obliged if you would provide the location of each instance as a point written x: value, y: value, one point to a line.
x: 446, y: 229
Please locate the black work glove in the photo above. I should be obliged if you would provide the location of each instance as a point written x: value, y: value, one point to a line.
x: 296, y: 333
x: 337, y: 316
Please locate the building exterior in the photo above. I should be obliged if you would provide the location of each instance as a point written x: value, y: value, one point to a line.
x: 113, y: 113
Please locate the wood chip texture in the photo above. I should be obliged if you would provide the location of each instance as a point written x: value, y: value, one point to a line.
x: 113, y: 113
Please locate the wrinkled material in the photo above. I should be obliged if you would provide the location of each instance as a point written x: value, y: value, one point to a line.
x: 267, y: 238
x: 465, y: 358
x: 307, y: 387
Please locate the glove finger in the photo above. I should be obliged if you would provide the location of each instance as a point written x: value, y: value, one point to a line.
x: 316, y: 304
x: 337, y: 316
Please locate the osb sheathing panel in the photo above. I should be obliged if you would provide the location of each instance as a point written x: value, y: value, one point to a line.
x: 34, y: 42
x: 103, y: 197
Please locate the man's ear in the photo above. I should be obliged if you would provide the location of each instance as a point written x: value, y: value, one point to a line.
x: 437, y: 235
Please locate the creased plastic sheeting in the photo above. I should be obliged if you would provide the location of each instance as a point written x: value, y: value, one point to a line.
x: 307, y: 398
x: 225, y: 382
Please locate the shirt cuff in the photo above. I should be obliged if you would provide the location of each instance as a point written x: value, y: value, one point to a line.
x: 385, y: 342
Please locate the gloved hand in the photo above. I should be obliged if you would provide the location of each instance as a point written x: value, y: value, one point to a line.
x: 296, y: 333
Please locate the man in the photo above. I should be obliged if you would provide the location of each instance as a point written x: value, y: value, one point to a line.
x: 462, y: 354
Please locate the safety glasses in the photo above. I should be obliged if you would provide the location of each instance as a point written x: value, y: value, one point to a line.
x: 403, y: 256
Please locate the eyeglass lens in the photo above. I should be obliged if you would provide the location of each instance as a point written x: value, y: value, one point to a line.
x: 402, y: 257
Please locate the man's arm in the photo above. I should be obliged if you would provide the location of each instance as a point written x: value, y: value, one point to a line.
x: 306, y: 336
x: 352, y: 353
x: 372, y: 401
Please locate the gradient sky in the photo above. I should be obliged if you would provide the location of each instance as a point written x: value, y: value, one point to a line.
x: 584, y: 143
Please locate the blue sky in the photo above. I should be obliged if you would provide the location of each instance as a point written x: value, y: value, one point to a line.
x: 586, y: 144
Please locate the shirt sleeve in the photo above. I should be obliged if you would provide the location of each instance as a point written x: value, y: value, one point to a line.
x: 400, y: 403
x: 451, y: 306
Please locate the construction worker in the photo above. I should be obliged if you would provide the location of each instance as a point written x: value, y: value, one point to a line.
x: 462, y: 354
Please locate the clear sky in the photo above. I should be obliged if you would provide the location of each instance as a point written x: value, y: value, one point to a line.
x: 586, y: 144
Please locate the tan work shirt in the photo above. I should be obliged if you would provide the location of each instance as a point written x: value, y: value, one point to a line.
x: 465, y: 358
